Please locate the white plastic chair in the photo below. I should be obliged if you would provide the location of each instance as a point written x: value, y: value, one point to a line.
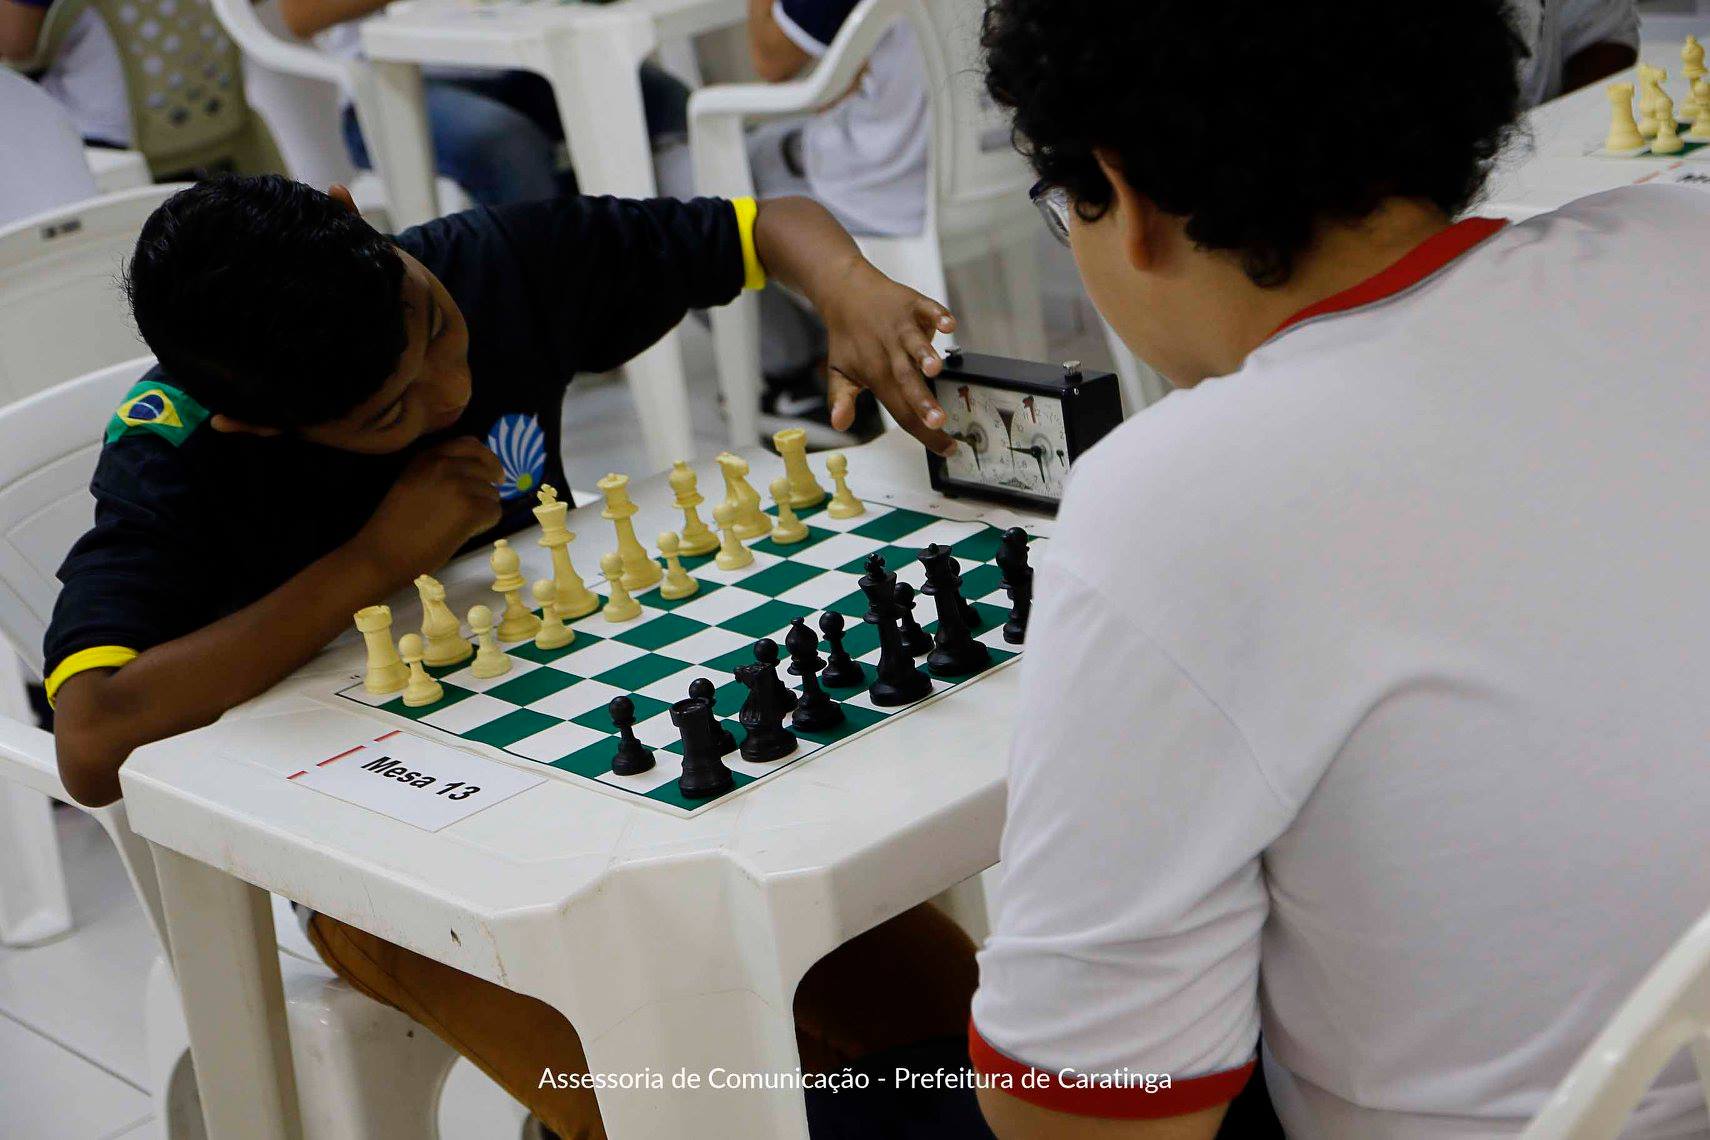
x: 363, y: 1070
x: 33, y: 124
x: 297, y: 89
x: 1669, y: 1009
x: 977, y: 205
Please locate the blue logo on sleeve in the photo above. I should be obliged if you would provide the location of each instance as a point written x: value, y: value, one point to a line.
x: 521, y: 447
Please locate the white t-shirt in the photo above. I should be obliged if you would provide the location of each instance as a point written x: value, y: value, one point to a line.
x: 88, y: 80
x: 1377, y: 673
x: 865, y: 156
x: 1558, y: 30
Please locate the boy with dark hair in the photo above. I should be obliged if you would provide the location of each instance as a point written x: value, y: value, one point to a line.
x: 335, y: 412
x: 1361, y: 642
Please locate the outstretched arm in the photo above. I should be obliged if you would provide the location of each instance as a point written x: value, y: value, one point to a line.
x: 306, y: 17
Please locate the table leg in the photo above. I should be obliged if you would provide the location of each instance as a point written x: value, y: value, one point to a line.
x: 393, y: 117
x: 597, y: 85
x: 227, y: 965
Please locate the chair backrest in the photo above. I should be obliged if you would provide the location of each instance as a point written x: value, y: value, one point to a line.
x: 184, y: 84
x: 62, y: 313
x: 296, y: 88
x: 1669, y: 1009
x: 53, y: 440
x: 32, y: 123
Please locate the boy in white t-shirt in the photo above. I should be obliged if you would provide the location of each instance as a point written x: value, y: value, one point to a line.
x: 1573, y: 43
x: 1365, y: 701
x: 84, y: 75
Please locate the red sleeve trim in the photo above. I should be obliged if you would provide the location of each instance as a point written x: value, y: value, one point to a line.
x: 1420, y: 262
x: 1131, y: 1102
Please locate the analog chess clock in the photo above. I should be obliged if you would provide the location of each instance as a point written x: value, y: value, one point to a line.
x: 1021, y: 426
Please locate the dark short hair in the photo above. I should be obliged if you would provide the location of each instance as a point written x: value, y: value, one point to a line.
x: 266, y: 300
x: 1258, y: 120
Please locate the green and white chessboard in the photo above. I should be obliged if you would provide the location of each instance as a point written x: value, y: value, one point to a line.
x: 550, y: 710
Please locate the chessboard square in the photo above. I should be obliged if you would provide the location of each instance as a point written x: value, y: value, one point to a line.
x: 657, y: 731
x: 993, y: 639
x: 840, y: 551
x: 728, y: 663
x: 472, y: 710
x: 979, y: 547
x: 599, y: 717
x: 441, y: 672
x: 466, y: 679
x: 978, y: 581
x: 766, y: 619
x: 532, y: 686
x: 895, y: 524
x: 671, y: 605
x: 815, y: 536
x: 451, y: 695
x: 991, y: 615
x: 864, y: 700
x: 556, y: 742
x: 596, y: 658
x: 855, y: 719
x: 728, y: 577
x: 659, y: 632
x: 820, y: 591
x: 675, y: 687
x: 666, y: 768
x: 946, y: 532
x: 667, y: 793
x: 728, y: 602
x: 511, y: 727
x: 711, y: 643
x: 853, y: 605
x: 596, y: 623
x: 529, y: 651
x: 633, y: 676
x: 896, y: 558
x: 373, y: 700
x: 728, y: 700
x: 873, y: 512
x: 861, y: 639
x: 567, y: 704
x: 774, y: 580
x: 591, y: 760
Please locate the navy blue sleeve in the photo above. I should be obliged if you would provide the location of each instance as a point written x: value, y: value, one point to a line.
x: 138, y: 577
x: 819, y: 20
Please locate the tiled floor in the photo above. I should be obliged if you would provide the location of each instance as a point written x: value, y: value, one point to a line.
x: 72, y: 1060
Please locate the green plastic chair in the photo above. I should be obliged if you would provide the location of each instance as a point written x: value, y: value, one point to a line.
x: 184, y: 83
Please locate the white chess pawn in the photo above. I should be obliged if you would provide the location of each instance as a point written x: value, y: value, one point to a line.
x: 844, y: 504
x: 440, y: 630
x: 490, y: 660
x: 422, y: 689
x: 1623, y: 127
x: 620, y: 606
x: 553, y: 633
x: 1668, y: 132
x: 732, y: 555
x: 1699, y: 131
x: 790, y: 528
x: 517, y: 624
x: 386, y: 671
x: 678, y: 583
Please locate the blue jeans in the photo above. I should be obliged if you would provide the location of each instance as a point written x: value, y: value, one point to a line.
x: 497, y: 136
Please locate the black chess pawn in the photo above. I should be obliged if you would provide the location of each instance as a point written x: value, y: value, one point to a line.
x: 763, y: 715
x: 955, y: 653
x: 816, y: 711
x: 701, y: 689
x: 632, y: 755
x: 899, y: 682
x: 841, y: 670
x: 915, y: 639
x: 704, y: 774
x: 1017, y: 583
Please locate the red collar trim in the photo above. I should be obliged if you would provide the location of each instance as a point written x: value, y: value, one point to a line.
x: 1415, y: 265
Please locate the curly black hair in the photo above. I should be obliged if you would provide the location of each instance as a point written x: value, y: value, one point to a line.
x: 1258, y: 120
x: 268, y: 301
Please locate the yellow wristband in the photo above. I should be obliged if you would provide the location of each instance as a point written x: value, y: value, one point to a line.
x: 753, y: 273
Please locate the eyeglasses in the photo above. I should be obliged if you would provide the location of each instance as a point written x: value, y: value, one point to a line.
x: 1053, y: 205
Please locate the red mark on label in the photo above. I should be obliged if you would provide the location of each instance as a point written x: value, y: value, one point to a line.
x: 388, y: 736
x: 294, y: 775
x: 1031, y: 410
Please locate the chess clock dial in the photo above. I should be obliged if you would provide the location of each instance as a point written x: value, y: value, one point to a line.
x: 1020, y: 426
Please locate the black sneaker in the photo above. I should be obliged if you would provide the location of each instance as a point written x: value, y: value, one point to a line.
x: 800, y: 401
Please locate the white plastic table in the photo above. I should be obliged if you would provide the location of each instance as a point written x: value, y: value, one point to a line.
x: 1550, y: 168
x: 591, y: 54
x: 669, y: 942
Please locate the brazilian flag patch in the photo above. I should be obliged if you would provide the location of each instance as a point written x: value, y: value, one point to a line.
x: 159, y: 408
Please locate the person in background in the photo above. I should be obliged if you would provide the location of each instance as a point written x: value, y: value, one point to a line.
x: 84, y: 75
x: 863, y: 157
x: 1573, y: 43
x: 494, y: 133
